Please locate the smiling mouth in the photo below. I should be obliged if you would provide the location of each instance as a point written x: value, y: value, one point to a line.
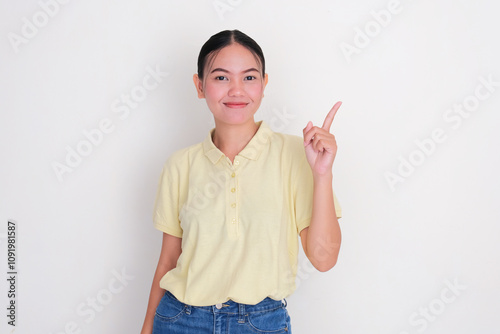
x: 235, y: 104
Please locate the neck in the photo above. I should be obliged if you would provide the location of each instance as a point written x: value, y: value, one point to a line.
x: 231, y: 139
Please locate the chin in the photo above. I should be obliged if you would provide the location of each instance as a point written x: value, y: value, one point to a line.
x: 235, y: 119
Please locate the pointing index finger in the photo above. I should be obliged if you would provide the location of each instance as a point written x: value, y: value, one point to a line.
x: 329, y: 118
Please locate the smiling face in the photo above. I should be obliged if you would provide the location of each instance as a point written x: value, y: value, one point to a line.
x: 233, y: 85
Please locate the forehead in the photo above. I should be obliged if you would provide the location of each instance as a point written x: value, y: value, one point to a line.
x: 234, y: 57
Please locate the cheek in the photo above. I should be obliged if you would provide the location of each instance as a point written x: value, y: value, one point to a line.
x: 214, y: 91
x: 255, y: 90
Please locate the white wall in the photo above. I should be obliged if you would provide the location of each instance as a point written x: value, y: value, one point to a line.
x: 403, y: 245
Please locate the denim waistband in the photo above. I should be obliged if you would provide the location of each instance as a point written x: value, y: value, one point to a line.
x: 232, y: 307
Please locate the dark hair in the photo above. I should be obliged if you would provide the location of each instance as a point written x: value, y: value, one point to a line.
x: 222, y: 39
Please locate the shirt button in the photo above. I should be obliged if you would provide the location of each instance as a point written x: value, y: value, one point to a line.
x: 236, y: 162
x: 233, y: 205
x: 219, y: 306
x: 234, y: 220
x: 233, y: 190
x: 233, y: 175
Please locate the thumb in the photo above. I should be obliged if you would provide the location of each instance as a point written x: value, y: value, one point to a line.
x: 306, y: 129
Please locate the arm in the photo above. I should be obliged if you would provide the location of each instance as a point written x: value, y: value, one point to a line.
x: 321, y: 240
x: 170, y: 252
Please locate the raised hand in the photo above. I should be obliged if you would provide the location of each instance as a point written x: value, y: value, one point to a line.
x: 320, y: 144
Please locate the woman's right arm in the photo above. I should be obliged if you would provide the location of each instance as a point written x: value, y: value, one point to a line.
x: 170, y: 252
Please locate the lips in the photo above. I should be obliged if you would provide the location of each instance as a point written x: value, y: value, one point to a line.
x: 235, y: 104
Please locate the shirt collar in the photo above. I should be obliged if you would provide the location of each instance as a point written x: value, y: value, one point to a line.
x: 251, y: 151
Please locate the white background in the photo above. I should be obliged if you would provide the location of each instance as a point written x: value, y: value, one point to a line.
x: 401, y: 245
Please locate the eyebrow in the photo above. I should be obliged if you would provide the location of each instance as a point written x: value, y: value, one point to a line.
x: 226, y: 71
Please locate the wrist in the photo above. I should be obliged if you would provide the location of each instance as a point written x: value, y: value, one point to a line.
x: 326, y: 177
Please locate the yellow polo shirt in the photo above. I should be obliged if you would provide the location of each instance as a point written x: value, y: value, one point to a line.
x: 239, y: 222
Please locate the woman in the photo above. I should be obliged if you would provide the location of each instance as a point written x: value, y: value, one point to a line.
x: 232, y: 207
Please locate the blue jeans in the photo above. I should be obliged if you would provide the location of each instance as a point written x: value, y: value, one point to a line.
x: 174, y: 317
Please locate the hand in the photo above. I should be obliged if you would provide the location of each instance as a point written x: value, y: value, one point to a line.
x: 320, y: 144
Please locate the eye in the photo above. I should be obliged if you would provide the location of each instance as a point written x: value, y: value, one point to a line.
x: 220, y: 77
x: 250, y: 77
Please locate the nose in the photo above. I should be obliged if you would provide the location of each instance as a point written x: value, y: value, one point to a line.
x: 236, y: 88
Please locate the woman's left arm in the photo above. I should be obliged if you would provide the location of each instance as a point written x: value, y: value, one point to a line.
x: 321, y: 240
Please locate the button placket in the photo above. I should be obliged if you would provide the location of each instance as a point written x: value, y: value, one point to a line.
x: 233, y: 198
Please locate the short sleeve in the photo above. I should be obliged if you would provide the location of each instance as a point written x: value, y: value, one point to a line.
x: 304, y: 196
x: 166, y: 207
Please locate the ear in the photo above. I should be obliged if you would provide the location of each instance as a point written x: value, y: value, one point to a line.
x: 199, y: 86
x: 266, y: 79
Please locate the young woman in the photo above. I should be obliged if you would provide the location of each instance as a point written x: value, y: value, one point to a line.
x: 231, y: 208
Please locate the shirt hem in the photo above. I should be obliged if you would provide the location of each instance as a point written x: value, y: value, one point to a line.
x: 167, y: 230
